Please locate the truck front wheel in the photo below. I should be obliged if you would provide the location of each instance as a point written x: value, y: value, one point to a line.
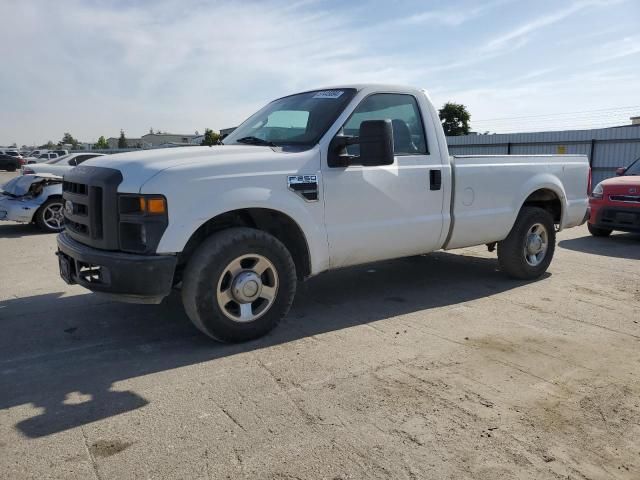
x: 238, y: 284
x: 528, y: 249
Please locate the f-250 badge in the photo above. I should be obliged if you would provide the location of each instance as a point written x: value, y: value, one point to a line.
x: 304, y: 185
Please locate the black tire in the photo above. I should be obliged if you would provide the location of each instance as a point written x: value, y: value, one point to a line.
x: 43, y: 223
x: 11, y: 168
x: 511, y: 251
x: 598, y: 232
x: 206, y: 269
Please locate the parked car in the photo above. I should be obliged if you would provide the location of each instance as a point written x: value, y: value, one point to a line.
x: 11, y: 153
x: 312, y: 182
x: 59, y: 165
x: 43, y: 157
x: 33, y: 198
x: 615, y: 203
x: 35, y: 153
x: 10, y: 163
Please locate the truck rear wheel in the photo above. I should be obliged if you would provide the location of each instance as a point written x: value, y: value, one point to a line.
x: 528, y: 249
x: 598, y: 232
x: 238, y: 284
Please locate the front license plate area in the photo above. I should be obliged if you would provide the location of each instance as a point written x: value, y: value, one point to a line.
x: 624, y: 217
x: 66, y: 268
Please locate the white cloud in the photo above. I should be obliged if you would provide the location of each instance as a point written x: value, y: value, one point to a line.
x: 172, y: 65
x: 620, y: 48
x: 452, y: 16
x: 92, y: 68
x: 493, y: 107
x: 519, y: 36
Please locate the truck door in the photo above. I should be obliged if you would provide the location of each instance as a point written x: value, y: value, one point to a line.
x: 374, y: 213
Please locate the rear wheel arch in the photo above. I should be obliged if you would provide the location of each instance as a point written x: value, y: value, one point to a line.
x: 547, y: 199
x: 274, y: 222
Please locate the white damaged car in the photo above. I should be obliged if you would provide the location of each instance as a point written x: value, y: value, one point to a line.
x: 34, y: 199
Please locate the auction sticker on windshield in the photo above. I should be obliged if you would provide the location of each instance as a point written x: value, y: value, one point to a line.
x: 328, y: 94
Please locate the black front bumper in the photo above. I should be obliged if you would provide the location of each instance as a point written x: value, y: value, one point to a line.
x: 624, y: 219
x: 127, y: 277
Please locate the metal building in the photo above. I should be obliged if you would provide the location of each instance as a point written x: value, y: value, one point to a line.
x: 607, y: 148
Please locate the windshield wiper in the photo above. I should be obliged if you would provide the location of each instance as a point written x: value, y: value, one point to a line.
x: 256, y: 141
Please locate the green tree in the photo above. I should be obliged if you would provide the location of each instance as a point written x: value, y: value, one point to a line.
x: 102, y: 143
x: 122, y: 141
x: 210, y: 137
x: 455, y: 119
x: 67, y: 139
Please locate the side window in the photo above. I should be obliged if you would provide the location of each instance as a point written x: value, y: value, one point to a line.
x: 402, y: 110
x: 73, y: 162
x: 82, y: 158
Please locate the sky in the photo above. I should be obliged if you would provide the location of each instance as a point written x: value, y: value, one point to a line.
x: 94, y: 67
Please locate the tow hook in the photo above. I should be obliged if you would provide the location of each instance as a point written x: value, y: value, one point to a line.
x: 491, y: 246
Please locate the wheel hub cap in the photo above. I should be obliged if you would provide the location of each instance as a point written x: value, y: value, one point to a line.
x: 246, y: 287
x: 534, y: 244
x: 53, y: 216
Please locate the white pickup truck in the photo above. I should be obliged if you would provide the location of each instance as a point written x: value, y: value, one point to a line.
x: 312, y: 182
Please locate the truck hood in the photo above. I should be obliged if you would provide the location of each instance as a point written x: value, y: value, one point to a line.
x: 139, y: 167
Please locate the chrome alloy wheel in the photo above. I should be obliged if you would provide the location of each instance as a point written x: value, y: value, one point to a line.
x: 536, y: 244
x: 247, y: 288
x: 52, y: 216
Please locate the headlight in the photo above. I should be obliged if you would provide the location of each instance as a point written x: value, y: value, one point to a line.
x: 142, y: 205
x: 598, y: 192
x: 142, y: 221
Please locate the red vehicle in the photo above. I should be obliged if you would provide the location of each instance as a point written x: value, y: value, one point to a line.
x: 615, y: 203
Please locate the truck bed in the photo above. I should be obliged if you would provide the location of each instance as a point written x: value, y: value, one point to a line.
x: 489, y: 190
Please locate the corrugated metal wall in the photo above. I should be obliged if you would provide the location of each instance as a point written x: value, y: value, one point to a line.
x: 607, y: 148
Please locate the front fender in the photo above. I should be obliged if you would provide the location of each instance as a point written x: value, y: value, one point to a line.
x: 186, y: 215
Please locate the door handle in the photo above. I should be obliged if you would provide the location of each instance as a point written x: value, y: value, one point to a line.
x: 435, y: 179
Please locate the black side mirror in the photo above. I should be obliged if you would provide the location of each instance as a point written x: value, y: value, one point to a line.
x: 376, y: 142
x: 376, y: 146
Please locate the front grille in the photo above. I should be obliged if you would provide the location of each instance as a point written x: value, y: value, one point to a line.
x: 625, y: 198
x: 619, y: 217
x: 83, y: 211
x: 91, y: 273
x: 91, y: 210
x: 76, y: 227
x: 72, y: 187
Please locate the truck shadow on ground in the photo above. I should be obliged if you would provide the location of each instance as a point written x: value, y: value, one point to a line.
x: 66, y: 354
x: 19, y: 230
x: 619, y: 245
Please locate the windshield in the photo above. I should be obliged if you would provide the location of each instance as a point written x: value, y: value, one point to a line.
x: 634, y: 168
x: 299, y: 119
